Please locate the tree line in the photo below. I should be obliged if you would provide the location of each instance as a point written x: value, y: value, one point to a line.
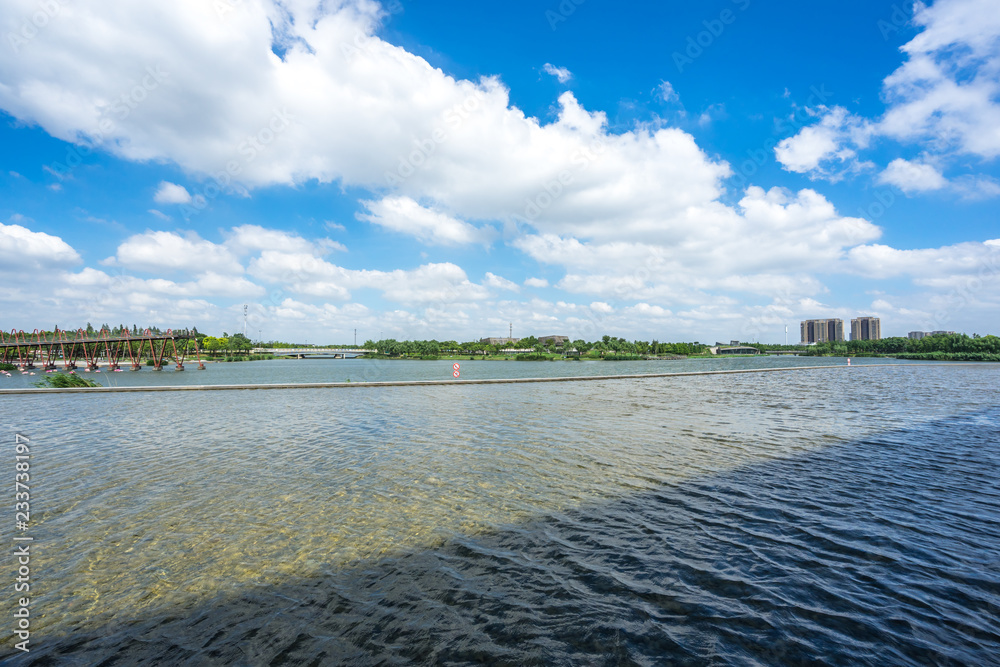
x: 606, y: 346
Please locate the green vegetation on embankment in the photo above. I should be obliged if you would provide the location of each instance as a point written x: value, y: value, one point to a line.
x: 941, y: 347
x: 65, y: 380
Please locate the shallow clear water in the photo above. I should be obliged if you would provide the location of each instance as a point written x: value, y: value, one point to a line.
x: 279, y: 371
x: 845, y: 516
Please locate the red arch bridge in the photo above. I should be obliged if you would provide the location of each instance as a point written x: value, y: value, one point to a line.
x: 66, y: 348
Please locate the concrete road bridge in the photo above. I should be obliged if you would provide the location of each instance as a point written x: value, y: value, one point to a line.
x: 312, y: 352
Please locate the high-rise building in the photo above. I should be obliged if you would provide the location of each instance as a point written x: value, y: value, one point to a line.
x: 866, y: 328
x: 822, y: 331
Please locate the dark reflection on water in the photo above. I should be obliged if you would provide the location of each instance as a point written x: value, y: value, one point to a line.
x: 882, y: 550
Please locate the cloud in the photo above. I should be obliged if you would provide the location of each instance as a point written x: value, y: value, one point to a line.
x: 773, y: 242
x: 947, y: 93
x: 341, y: 104
x: 160, y: 214
x: 974, y: 187
x: 561, y: 73
x: 402, y: 214
x: 171, y: 193
x: 631, y: 216
x: 251, y: 238
x: 917, y: 177
x: 944, y: 98
x: 827, y: 149
x: 170, y: 251
x: 667, y: 93
x: 912, y: 176
x: 646, y: 310
x: 927, y: 266
x: 307, y: 274
x: 21, y: 249
x: 536, y: 282
x: 216, y: 284
x: 499, y: 282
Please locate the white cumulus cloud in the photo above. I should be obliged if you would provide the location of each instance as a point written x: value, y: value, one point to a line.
x: 402, y: 214
x: 170, y: 251
x: 944, y: 98
x: 912, y: 176
x: 499, y: 282
x: 21, y: 248
x: 561, y: 73
x: 171, y: 193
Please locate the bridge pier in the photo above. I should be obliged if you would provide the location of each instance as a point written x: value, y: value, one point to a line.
x: 179, y: 367
x: 136, y: 367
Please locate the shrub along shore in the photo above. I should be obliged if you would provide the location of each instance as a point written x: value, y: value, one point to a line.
x: 940, y: 347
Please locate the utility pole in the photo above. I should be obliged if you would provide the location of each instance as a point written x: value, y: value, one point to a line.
x: 355, y: 339
x: 786, y: 335
x: 245, y: 308
x: 510, y: 334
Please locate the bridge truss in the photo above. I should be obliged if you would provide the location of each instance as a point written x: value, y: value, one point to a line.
x: 68, y: 347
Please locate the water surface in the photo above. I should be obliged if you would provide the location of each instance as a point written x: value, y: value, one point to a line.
x: 839, y: 515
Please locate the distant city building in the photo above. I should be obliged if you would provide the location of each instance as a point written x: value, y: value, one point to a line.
x: 822, y: 331
x: 917, y: 335
x: 498, y: 341
x: 556, y: 340
x: 866, y: 328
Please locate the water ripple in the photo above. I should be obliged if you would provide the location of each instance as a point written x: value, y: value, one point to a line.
x: 673, y: 521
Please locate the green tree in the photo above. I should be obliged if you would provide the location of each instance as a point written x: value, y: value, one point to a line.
x: 240, y: 343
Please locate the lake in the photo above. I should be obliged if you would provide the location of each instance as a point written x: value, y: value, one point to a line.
x: 847, y: 516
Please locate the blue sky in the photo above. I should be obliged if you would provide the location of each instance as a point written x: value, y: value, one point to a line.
x: 680, y: 171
